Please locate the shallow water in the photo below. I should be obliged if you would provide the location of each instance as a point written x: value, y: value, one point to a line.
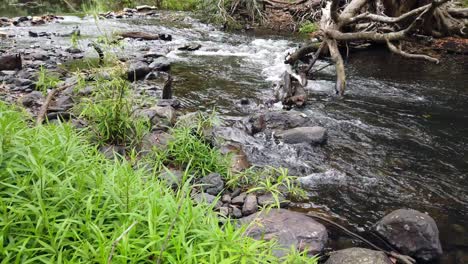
x: 398, y: 138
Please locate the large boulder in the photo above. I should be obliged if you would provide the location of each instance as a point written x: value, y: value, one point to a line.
x: 412, y: 233
x: 311, y: 135
x: 358, y: 256
x: 289, y: 229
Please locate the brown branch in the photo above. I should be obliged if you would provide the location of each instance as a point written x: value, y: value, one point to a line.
x: 302, y: 52
x: 340, y: 85
x: 50, y: 96
x: 316, y: 56
x: 458, y: 12
x: 386, y: 19
x: 398, y: 51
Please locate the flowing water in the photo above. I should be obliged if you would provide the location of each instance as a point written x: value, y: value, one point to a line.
x: 398, y: 139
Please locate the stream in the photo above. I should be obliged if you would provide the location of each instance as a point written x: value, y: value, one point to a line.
x: 398, y: 138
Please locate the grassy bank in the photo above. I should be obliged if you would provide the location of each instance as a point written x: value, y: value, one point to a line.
x: 63, y: 202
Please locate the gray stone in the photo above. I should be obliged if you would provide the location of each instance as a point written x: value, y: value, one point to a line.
x: 24, y: 82
x: 206, y: 198
x: 289, y: 229
x: 40, y: 55
x: 358, y: 256
x: 73, y: 50
x: 226, y: 198
x: 224, y: 211
x: 86, y: 91
x: 190, y: 47
x: 64, y: 101
x: 277, y: 120
x: 412, y: 233
x: 155, y: 140
x: 32, y: 98
x: 268, y: 199
x: 161, y: 64
x: 312, y: 135
x: 157, y: 115
x: 110, y: 151
x: 172, y: 177
x: 212, y: 183
x: 250, y: 205
x: 239, y: 200
x: 137, y: 71
x: 236, y: 212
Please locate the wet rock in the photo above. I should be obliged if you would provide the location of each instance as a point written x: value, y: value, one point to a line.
x: 165, y: 37
x: 172, y: 177
x: 40, y: 55
x: 268, y: 199
x: 153, y: 55
x: 33, y: 98
x: 239, y: 200
x: 73, y: 50
x: 311, y: 135
x: 191, y: 47
x: 161, y: 64
x: 137, y: 71
x: 212, y: 183
x: 169, y: 102
x: 289, y: 229
x: 275, y: 120
x: 25, y: 83
x: 358, y: 256
x: 11, y: 62
x: 38, y: 34
x: 206, y: 198
x: 412, y: 233
x: 250, y: 205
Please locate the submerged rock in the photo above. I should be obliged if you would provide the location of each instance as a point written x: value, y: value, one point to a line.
x: 289, y: 229
x: 412, y: 233
x: 312, y: 135
x: 358, y: 256
x: 137, y: 71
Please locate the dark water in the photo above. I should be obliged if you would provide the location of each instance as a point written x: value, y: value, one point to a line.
x: 397, y: 139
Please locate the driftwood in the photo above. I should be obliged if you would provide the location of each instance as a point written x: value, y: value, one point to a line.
x: 11, y: 62
x: 291, y: 91
x: 145, y: 36
x: 362, y: 21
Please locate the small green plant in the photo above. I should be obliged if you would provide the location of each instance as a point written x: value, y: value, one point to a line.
x: 110, y: 114
x: 269, y: 180
x: 189, y: 145
x: 75, y: 39
x: 46, y: 80
x: 308, y: 27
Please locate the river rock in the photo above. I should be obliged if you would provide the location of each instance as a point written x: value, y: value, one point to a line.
x: 277, y: 120
x: 159, y: 116
x: 172, y: 177
x: 289, y: 229
x: 40, y: 55
x: 161, y: 64
x: 190, y: 47
x: 137, y: 71
x: 31, y: 99
x: 212, y: 183
x: 268, y: 199
x: 239, y: 200
x: 25, y: 83
x: 11, y: 62
x: 73, y: 50
x: 155, y: 140
x: 206, y: 198
x: 250, y: 205
x: 311, y: 135
x: 411, y: 232
x: 358, y: 256
x: 236, y: 212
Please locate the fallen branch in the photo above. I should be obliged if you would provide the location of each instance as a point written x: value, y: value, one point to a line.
x: 398, y: 51
x: 302, y: 52
x: 114, y: 244
x: 50, y: 96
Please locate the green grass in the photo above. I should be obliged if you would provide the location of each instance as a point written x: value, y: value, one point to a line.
x: 308, y: 27
x: 109, y: 113
x: 189, y: 146
x: 46, y: 80
x: 63, y: 202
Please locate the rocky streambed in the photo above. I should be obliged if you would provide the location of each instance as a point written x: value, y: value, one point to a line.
x: 398, y: 139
